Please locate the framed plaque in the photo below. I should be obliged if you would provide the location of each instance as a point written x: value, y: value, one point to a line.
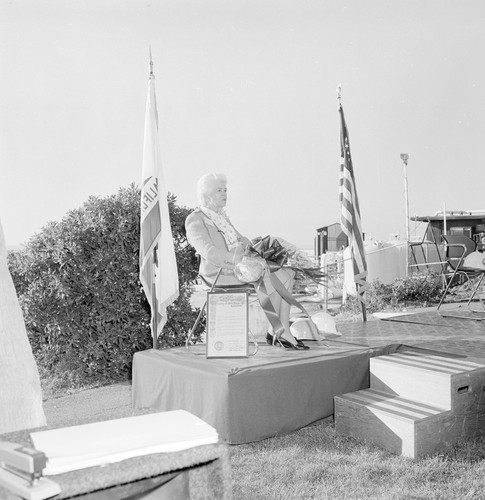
x: 227, y: 324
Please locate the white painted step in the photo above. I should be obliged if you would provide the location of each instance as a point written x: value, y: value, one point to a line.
x: 396, y: 424
x: 440, y: 381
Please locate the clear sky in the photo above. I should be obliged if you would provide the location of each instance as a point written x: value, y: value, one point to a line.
x: 247, y: 88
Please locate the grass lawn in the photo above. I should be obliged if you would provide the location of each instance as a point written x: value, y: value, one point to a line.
x: 317, y: 463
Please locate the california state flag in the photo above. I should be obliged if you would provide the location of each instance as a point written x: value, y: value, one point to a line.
x: 158, y: 267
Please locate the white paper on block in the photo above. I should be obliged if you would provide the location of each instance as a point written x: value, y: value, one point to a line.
x: 102, y: 443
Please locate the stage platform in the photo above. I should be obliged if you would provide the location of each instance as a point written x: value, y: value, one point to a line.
x: 249, y: 399
x: 279, y: 391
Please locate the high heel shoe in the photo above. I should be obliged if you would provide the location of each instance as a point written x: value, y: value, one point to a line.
x: 300, y: 346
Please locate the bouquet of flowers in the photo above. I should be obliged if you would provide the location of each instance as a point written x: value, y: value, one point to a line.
x: 278, y: 253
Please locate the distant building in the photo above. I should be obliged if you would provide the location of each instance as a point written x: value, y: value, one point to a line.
x: 469, y: 223
x: 330, y: 239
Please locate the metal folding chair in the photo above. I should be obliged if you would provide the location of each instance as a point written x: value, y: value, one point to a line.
x: 420, y: 248
x: 457, y: 248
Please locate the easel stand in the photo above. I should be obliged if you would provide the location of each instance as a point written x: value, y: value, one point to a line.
x: 227, y: 330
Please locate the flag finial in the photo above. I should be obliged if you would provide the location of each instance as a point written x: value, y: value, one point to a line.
x: 151, y: 61
x: 339, y: 93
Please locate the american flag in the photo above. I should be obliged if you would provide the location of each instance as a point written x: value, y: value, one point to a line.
x: 158, y: 266
x: 350, y: 216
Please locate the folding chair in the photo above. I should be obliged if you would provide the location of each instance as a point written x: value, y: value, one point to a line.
x: 213, y: 287
x: 418, y: 248
x: 457, y: 248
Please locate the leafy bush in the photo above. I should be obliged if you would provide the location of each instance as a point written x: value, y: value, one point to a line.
x: 417, y: 289
x: 78, y: 285
x: 377, y: 297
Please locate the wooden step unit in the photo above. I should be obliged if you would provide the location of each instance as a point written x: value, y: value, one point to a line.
x: 418, y: 404
x: 397, y: 424
x: 441, y: 381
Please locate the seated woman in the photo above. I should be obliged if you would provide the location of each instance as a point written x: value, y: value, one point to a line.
x: 221, y: 247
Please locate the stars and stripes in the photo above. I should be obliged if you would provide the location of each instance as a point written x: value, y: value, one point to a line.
x: 350, y: 213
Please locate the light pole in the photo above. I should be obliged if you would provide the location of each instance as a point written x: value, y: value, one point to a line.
x: 405, y: 158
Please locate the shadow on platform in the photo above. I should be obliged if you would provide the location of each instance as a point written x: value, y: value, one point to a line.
x: 425, y: 329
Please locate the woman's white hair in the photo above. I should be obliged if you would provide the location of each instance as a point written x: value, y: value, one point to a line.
x: 206, y: 184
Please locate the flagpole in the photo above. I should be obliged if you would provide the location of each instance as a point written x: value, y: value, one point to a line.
x: 405, y: 158
x: 153, y: 305
x: 364, y: 310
